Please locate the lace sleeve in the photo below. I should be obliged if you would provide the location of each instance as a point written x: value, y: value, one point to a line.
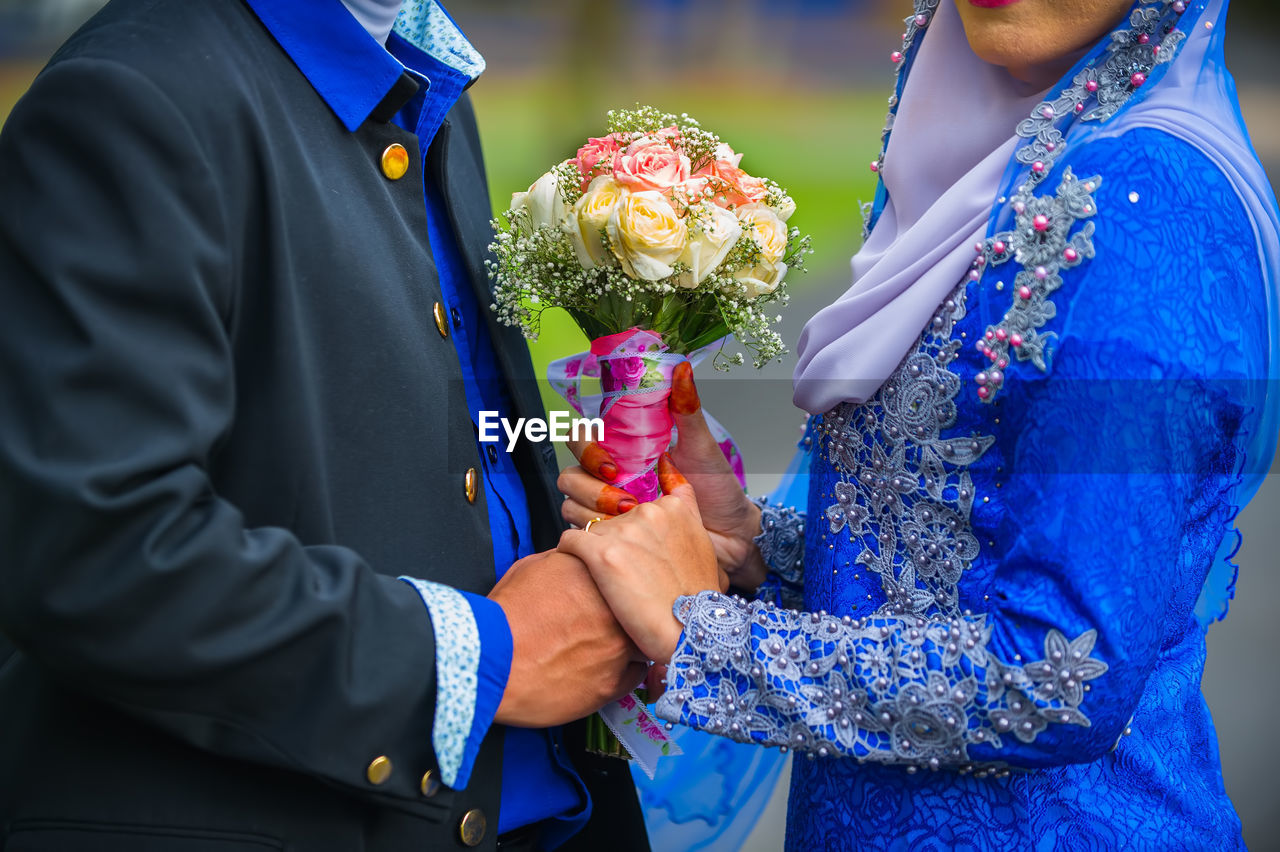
x: 885, y: 690
x: 781, y: 545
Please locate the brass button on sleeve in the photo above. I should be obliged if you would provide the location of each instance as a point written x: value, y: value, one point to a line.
x: 379, y: 770
x: 395, y: 161
x: 442, y: 319
x: 430, y: 783
x: 470, y: 483
x: 472, y: 827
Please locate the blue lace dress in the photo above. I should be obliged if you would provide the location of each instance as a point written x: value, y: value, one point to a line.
x: 999, y: 647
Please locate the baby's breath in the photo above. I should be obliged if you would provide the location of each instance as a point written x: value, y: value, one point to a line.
x: 569, y: 181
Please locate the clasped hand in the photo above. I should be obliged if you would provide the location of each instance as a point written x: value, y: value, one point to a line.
x: 588, y: 617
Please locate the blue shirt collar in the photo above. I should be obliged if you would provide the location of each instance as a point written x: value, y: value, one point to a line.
x: 351, y: 71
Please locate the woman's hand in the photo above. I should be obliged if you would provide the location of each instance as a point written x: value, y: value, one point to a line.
x: 731, y: 520
x: 643, y: 560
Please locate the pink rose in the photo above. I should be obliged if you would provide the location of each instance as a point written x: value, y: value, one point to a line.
x: 730, y: 185
x: 597, y: 157
x: 627, y: 372
x: 650, y: 164
x: 725, y: 154
x: 667, y: 134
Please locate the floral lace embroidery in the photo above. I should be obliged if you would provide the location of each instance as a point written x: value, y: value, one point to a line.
x: 907, y: 690
x: 902, y: 477
x: 915, y: 683
x: 1040, y: 243
x: 781, y: 545
x: 781, y: 540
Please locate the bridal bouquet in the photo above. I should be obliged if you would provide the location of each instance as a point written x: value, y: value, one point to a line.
x: 659, y: 246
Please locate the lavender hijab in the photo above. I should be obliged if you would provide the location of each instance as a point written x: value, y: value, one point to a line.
x: 951, y: 154
x: 952, y: 138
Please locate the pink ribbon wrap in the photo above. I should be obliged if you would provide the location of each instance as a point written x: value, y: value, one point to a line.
x: 634, y: 369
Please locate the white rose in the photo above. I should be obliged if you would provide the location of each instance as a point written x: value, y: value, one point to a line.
x: 647, y: 235
x: 544, y: 202
x: 713, y: 231
x: 785, y: 208
x: 588, y: 216
x: 762, y: 278
x: 763, y: 225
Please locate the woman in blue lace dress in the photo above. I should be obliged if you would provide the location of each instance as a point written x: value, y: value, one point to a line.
x: 1036, y: 414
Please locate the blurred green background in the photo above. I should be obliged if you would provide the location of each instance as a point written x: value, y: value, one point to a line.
x: 800, y: 87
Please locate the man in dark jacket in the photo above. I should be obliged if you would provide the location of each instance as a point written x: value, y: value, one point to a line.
x: 248, y: 540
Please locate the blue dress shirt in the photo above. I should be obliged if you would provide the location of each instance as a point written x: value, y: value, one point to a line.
x: 353, y: 73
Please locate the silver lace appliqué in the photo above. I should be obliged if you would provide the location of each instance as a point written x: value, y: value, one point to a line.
x: 1042, y: 244
x: 905, y: 691
x: 905, y: 492
x: 914, y: 684
x: 781, y: 540
x: 781, y: 546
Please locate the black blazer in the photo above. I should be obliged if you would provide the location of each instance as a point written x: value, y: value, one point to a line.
x: 227, y: 424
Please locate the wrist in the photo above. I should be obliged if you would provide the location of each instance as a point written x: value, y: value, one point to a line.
x: 673, y: 641
x: 750, y: 570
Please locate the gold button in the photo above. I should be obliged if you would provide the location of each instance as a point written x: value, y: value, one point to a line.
x: 442, y: 320
x: 472, y: 827
x: 469, y: 484
x: 379, y: 770
x: 395, y: 161
x: 430, y: 783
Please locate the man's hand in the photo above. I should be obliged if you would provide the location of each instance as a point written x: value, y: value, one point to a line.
x: 570, y: 657
x: 729, y: 517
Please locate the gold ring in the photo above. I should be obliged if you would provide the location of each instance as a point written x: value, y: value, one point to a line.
x: 587, y: 528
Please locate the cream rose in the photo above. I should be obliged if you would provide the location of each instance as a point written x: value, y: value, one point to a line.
x: 647, y: 235
x: 589, y: 216
x: 545, y: 203
x: 766, y: 227
x: 713, y: 231
x: 762, y: 278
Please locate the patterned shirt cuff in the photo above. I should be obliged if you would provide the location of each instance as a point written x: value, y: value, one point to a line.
x: 471, y: 674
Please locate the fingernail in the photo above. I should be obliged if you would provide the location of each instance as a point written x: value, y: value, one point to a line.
x: 625, y: 506
x: 608, y: 471
x: 669, y: 476
x: 684, y: 393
